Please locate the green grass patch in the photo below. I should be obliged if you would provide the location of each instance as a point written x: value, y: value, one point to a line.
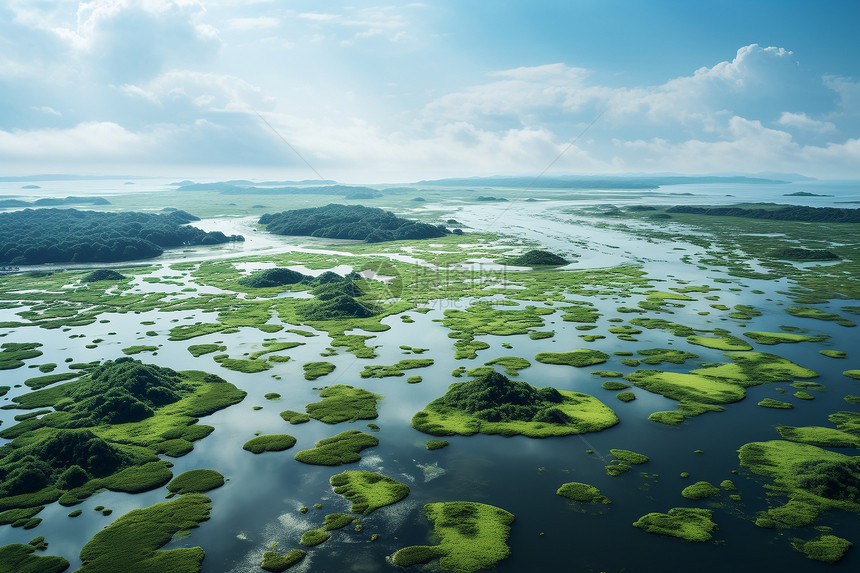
x: 578, y: 358
x: 629, y: 457
x: 813, y: 479
x: 771, y: 403
x: 825, y: 548
x: 294, y: 417
x: 626, y: 396
x: 582, y: 493
x: 819, y: 436
x: 269, y: 443
x: 13, y: 354
x: 20, y: 558
x: 314, y: 537
x: 855, y: 374
x: 833, y: 353
x: 494, y: 404
x: 614, y: 385
x: 691, y: 524
x: 40, y: 382
x: 807, y: 312
x: 277, y: 563
x: 655, y: 356
x: 782, y: 337
x: 700, y: 490
x: 334, y: 521
x: 368, y: 491
x: 314, y: 370
x: 197, y: 350
x: 379, y: 371
x: 343, y: 448
x: 195, y: 481
x: 511, y: 364
x: 436, y: 444
x: 138, y: 349
x: 343, y: 403
x: 472, y: 536
x: 132, y: 542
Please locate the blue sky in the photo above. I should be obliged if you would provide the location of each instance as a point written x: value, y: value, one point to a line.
x: 371, y: 92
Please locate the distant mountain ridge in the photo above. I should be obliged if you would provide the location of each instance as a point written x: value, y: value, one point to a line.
x: 597, y: 182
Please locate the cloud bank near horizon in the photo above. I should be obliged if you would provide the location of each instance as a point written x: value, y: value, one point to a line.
x: 381, y: 94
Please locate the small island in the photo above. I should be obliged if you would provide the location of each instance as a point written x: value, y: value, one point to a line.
x: 357, y: 222
x: 537, y: 258
x: 494, y: 404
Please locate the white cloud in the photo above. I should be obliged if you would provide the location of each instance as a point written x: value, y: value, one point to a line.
x: 259, y: 23
x: 46, y: 109
x: 208, y: 91
x: 803, y: 121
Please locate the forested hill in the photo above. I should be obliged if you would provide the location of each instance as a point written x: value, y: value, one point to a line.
x: 358, y: 222
x: 776, y: 212
x: 31, y: 237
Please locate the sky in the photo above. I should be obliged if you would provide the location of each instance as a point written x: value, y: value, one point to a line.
x: 374, y: 92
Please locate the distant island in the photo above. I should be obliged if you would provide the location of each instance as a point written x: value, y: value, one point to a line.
x: 775, y: 212
x: 52, y: 201
x: 31, y: 237
x: 596, y: 182
x: 368, y: 224
x: 247, y: 188
x: 804, y: 194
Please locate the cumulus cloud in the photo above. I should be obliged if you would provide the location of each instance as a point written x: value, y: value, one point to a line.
x: 208, y: 91
x: 803, y: 121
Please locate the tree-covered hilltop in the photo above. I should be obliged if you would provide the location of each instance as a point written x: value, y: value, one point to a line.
x: 31, y: 237
x: 495, y: 404
x: 775, y: 212
x: 333, y: 221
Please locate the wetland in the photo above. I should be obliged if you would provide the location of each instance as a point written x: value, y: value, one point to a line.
x: 273, y: 403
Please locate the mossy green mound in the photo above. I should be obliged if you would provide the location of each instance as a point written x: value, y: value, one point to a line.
x: 494, y: 404
x: 655, y: 356
x: 368, y: 491
x: 334, y: 521
x: 201, y: 349
x: 855, y: 374
x: 13, y: 354
x: 436, y: 444
x: 277, y: 563
x: 781, y: 337
x: 379, y: 371
x: 626, y: 396
x: 269, y: 443
x: 511, y: 364
x: 314, y: 370
x: 269, y: 278
x: 813, y: 479
x: 778, y: 404
x: 617, y: 467
x: 807, y: 312
x: 700, y: 490
x: 20, y: 558
x: 314, y: 537
x: 294, y: 417
x: 820, y: 436
x: 629, y: 457
x: 723, y: 341
x: 688, y: 523
x: 614, y: 385
x: 138, y: 349
x: 472, y: 537
x: 579, y: 358
x: 582, y: 493
x: 343, y: 403
x: 483, y: 318
x: 40, y: 382
x: 833, y: 353
x: 103, y: 275
x: 343, y: 448
x: 825, y: 548
x: 132, y: 542
x: 195, y: 481
x: 537, y: 258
